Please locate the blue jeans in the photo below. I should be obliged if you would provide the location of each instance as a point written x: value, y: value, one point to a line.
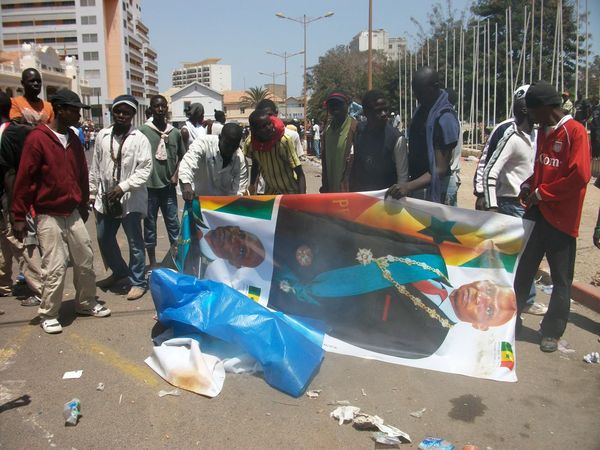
x: 317, y: 147
x: 452, y: 191
x: 106, y: 228
x: 165, y: 199
x: 511, y: 206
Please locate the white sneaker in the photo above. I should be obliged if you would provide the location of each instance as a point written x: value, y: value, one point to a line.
x: 51, y: 326
x: 97, y: 311
x: 536, y: 309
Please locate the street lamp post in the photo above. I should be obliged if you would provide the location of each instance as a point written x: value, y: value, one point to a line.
x: 304, y: 21
x: 272, y: 75
x: 285, y: 57
x: 370, y: 54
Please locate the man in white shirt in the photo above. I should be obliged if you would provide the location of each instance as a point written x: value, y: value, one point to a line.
x: 509, y: 165
x: 217, y: 125
x: 317, y: 140
x: 214, y: 165
x: 120, y: 169
x: 193, y: 127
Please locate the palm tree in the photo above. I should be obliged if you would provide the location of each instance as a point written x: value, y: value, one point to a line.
x: 254, y: 95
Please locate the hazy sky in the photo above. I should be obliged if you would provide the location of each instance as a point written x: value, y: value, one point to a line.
x: 241, y: 31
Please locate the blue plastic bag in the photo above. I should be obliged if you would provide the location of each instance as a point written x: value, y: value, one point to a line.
x: 289, y: 356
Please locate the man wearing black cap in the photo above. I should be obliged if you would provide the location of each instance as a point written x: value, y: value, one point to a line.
x: 554, y: 197
x: 53, y: 178
x: 120, y: 170
x: 337, y: 144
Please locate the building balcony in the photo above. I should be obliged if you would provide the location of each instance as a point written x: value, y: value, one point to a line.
x: 37, y: 12
x: 135, y: 60
x: 151, y: 76
x: 137, y: 84
x: 134, y: 39
x: 142, y: 27
x: 150, y: 53
x: 150, y: 64
x: 136, y: 71
x: 134, y: 51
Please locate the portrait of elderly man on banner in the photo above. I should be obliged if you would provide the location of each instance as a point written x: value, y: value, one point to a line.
x: 402, y: 281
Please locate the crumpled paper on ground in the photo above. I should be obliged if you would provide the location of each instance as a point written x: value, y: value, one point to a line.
x: 181, y: 363
x: 363, y: 421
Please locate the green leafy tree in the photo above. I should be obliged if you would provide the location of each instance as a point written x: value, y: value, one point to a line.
x: 344, y: 69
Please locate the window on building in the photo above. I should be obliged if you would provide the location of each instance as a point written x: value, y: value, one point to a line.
x: 126, y: 57
x: 96, y: 92
x: 242, y: 110
x: 90, y: 56
x: 87, y: 2
x: 92, y: 74
x: 88, y: 20
x: 89, y: 37
x: 186, y: 106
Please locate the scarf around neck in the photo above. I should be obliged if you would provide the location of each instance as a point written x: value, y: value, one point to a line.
x: 277, y: 135
x: 161, y: 151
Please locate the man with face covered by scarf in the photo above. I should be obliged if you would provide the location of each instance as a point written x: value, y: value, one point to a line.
x: 274, y: 155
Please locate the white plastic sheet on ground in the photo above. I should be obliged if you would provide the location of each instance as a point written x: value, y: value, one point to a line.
x: 181, y: 363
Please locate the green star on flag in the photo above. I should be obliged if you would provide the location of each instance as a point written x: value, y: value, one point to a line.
x: 440, y: 231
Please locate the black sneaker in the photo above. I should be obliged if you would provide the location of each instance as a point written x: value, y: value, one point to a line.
x: 548, y: 344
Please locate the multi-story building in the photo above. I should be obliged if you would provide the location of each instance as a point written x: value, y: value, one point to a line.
x: 56, y: 73
x: 107, y: 37
x: 392, y: 47
x: 208, y: 72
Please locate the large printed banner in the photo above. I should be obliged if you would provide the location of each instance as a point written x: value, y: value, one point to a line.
x: 402, y: 281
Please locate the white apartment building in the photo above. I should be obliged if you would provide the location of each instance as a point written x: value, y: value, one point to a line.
x: 208, y: 72
x: 380, y: 40
x: 107, y: 37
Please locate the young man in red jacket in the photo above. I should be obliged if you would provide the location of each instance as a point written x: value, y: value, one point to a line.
x: 53, y: 178
x: 554, y: 197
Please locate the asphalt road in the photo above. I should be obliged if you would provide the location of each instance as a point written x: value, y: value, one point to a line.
x: 554, y: 404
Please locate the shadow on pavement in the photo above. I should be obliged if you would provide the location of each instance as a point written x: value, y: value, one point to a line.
x: 585, y: 323
x: 528, y: 335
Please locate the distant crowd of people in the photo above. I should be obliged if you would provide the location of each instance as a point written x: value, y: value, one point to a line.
x: 538, y: 173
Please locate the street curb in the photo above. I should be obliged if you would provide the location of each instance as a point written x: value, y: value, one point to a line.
x: 583, y: 293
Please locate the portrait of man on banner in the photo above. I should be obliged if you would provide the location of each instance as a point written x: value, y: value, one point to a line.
x: 376, y: 289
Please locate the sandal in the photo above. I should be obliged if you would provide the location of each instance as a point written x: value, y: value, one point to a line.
x: 51, y: 326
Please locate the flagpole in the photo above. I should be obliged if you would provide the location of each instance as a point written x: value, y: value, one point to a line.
x: 454, y: 56
x: 495, y: 67
x: 541, y: 37
x: 532, y: 39
x: 525, y: 28
x: 587, y: 48
x: 506, y: 63
x: 577, y: 50
x: 446, y: 61
x: 400, y: 85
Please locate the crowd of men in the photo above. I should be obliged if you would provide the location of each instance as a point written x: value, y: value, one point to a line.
x: 539, y: 173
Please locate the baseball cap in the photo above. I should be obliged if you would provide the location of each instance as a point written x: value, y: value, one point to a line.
x: 521, y: 92
x: 542, y: 93
x: 68, y: 98
x: 127, y: 100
